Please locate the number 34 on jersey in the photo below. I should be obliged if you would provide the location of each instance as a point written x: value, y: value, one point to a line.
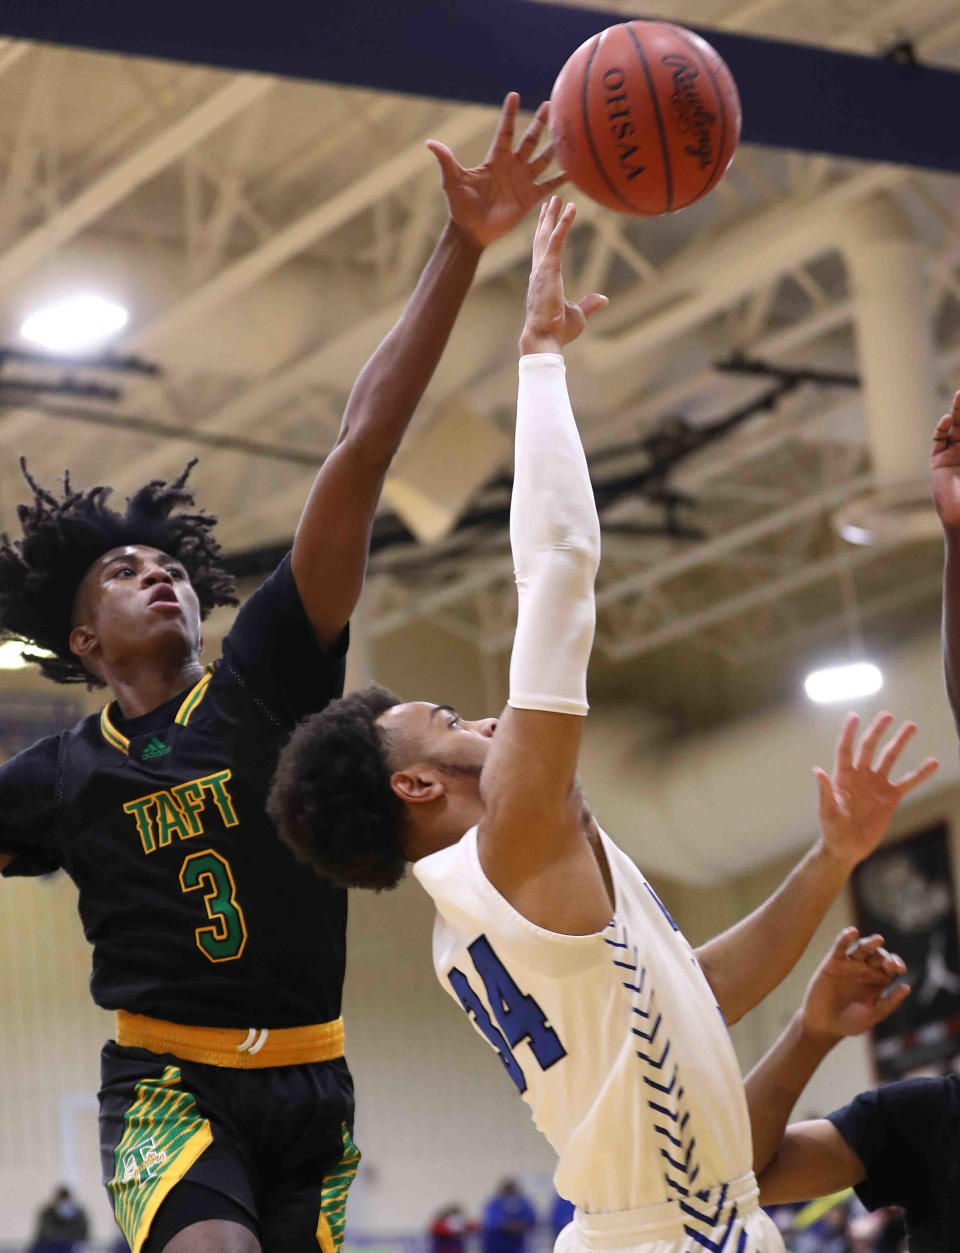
x: 519, y: 1016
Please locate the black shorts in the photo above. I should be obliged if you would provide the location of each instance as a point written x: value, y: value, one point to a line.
x: 275, y: 1142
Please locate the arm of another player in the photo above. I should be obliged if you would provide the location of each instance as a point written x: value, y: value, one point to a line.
x: 5, y: 860
x: 856, y: 806
x: 849, y: 993
x: 945, y: 488
x: 333, y: 536
x: 531, y: 840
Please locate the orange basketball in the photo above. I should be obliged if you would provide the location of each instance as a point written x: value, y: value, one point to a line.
x: 645, y: 117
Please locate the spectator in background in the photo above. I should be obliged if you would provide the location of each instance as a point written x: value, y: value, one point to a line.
x: 61, y: 1224
x: 449, y: 1230
x: 507, y: 1217
x: 828, y: 1234
x: 561, y: 1213
x: 883, y: 1231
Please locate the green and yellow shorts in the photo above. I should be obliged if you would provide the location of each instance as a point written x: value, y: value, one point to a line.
x: 274, y: 1140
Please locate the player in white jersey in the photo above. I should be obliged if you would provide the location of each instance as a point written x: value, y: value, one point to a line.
x: 551, y: 939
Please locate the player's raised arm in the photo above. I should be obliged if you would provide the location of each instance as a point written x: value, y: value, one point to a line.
x: 857, y: 804
x: 531, y: 840
x: 332, y: 539
x: 849, y: 993
x: 945, y: 487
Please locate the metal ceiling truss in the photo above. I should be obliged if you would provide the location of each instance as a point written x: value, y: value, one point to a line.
x: 766, y: 516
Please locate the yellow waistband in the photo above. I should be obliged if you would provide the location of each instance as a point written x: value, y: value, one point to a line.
x: 232, y: 1047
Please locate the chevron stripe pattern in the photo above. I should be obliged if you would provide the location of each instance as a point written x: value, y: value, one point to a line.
x: 710, y: 1221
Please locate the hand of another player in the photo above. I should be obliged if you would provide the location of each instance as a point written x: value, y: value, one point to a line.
x: 858, y: 801
x: 488, y: 200
x: 945, y: 467
x: 851, y: 990
x: 552, y: 320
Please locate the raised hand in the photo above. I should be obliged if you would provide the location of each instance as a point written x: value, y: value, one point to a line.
x: 858, y: 801
x: 945, y: 467
x: 552, y: 320
x: 490, y: 199
x: 852, y: 989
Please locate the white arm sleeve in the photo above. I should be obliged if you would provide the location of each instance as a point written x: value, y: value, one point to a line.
x: 555, y: 538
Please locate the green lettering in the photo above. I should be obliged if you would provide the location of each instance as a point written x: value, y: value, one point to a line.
x: 190, y: 796
x: 171, y: 819
x: 140, y: 810
x: 216, y: 785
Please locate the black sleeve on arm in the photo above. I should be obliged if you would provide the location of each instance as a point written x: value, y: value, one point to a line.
x: 883, y: 1127
x: 29, y: 812
x: 273, y: 646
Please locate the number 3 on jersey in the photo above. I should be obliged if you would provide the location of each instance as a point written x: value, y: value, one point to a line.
x: 520, y: 1016
x: 225, y: 938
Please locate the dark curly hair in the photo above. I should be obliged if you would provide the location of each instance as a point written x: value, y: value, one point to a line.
x: 62, y: 537
x: 331, y: 799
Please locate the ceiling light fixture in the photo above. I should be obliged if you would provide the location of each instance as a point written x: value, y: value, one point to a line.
x: 75, y: 323
x: 857, y: 677
x: 11, y: 655
x: 847, y: 682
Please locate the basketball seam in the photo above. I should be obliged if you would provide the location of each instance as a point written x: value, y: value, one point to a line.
x: 586, y: 126
x: 667, y: 172
x: 723, y: 111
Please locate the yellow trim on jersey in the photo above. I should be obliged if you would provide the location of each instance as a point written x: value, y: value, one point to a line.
x: 182, y: 716
x: 110, y: 732
x: 233, y: 1048
x: 193, y: 698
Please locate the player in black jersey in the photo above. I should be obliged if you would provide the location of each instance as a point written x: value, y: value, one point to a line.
x: 226, y: 1105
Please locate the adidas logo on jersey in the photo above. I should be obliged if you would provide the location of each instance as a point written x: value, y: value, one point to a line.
x: 156, y: 748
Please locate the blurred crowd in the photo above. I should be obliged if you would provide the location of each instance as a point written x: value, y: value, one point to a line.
x: 510, y: 1224
x: 840, y: 1225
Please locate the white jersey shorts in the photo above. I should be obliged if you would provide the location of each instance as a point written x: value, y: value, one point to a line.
x: 726, y: 1221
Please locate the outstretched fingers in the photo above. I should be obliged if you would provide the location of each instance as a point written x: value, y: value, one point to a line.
x: 890, y: 1001
x: 843, y: 757
x: 531, y: 136
x: 845, y: 942
x: 826, y: 797
x: 562, y: 222
x: 916, y: 777
x: 868, y: 745
x: 542, y: 160
x: 870, y: 953
x: 550, y: 185
x: 450, y: 167
x: 895, y: 748
x: 503, y: 139
x: 549, y: 214
x: 592, y: 304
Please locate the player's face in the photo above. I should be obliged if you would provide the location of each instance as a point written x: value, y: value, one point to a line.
x: 136, y: 599
x: 437, y: 733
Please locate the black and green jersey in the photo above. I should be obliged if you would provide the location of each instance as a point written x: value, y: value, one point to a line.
x: 195, y: 910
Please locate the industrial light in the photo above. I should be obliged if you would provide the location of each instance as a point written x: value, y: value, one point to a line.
x: 836, y: 683
x: 75, y: 324
x: 857, y: 534
x: 11, y: 655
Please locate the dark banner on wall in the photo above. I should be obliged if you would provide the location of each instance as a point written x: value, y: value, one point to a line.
x: 794, y: 95
x: 906, y: 893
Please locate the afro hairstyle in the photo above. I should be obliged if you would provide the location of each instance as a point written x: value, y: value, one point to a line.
x: 41, y: 573
x: 331, y: 800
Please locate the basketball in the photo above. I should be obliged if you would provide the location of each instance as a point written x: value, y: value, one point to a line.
x: 645, y: 117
